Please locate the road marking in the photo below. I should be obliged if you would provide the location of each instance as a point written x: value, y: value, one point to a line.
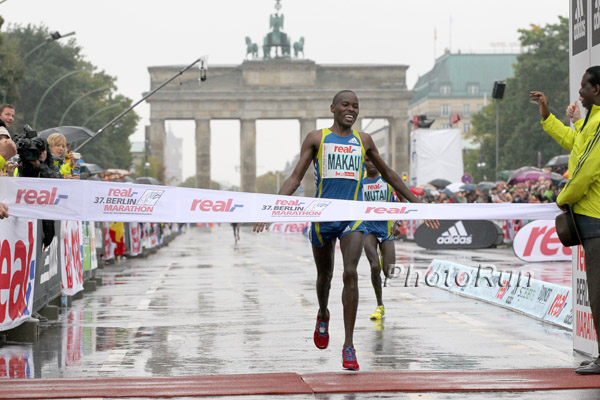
x: 547, y: 350
x: 114, y: 360
x: 464, y: 318
x: 144, y: 304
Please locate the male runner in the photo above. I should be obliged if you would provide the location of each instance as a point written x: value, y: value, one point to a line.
x: 236, y: 231
x: 338, y: 155
x: 379, y: 233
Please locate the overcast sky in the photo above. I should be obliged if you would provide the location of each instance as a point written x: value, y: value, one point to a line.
x: 125, y: 37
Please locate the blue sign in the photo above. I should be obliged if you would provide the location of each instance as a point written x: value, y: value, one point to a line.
x: 467, y: 178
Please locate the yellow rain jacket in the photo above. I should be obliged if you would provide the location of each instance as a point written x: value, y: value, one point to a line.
x: 582, y: 190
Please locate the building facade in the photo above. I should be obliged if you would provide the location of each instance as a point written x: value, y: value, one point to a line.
x: 459, y: 84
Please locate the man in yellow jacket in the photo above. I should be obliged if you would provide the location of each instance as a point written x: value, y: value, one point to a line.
x: 582, y: 190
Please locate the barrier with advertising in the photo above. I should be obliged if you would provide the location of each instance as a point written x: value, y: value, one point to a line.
x: 585, y: 338
x: 47, y: 275
x: 510, y: 227
x: 17, y: 270
x: 516, y: 291
x: 36, y: 276
x: 105, y: 201
x: 454, y: 234
x: 538, y: 241
x: 71, y: 257
x: 135, y: 240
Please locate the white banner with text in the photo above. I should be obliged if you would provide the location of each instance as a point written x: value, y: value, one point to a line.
x: 110, y: 201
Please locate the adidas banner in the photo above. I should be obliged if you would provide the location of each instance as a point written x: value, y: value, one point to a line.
x: 466, y: 234
x: 66, y: 199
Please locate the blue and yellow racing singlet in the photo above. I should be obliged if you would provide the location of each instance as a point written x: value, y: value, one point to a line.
x: 377, y: 189
x: 339, y: 166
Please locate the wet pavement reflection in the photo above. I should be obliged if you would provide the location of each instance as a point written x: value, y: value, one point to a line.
x: 203, y: 305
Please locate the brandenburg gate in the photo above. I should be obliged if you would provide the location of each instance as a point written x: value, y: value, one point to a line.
x: 275, y: 88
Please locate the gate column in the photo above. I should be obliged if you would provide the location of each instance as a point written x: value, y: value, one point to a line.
x: 248, y: 155
x: 203, y: 153
x: 399, y: 144
x: 156, y: 140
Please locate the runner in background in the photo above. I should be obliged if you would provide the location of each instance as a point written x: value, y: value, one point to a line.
x: 236, y: 231
x: 380, y: 234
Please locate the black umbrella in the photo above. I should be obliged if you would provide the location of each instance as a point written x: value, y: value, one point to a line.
x: 91, y: 169
x: 72, y: 133
x: 556, y: 177
x: 440, y: 183
x: 558, y: 161
x: 486, y: 185
x: 148, y: 180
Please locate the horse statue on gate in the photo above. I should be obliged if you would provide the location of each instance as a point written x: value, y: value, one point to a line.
x: 299, y: 47
x: 251, y: 48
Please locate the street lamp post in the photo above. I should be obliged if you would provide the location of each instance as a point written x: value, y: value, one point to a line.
x: 100, y: 111
x: 53, y: 36
x: 498, y: 94
x: 37, y: 109
x: 77, y: 100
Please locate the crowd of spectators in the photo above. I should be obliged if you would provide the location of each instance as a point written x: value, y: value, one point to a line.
x: 540, y: 191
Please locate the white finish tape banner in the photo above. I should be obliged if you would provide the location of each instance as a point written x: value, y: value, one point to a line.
x: 110, y: 201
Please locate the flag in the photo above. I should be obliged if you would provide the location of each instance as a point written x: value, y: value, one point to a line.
x: 455, y: 119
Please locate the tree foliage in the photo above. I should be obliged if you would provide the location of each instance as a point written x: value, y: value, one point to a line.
x: 545, y: 67
x: 11, y: 70
x: 59, y: 84
x: 269, y: 183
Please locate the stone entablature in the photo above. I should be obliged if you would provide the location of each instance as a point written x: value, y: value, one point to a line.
x: 275, y: 89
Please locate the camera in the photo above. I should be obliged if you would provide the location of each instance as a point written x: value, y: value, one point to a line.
x: 29, y: 147
x: 29, y: 132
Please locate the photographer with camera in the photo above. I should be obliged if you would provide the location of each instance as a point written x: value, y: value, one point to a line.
x: 66, y: 162
x: 35, y: 161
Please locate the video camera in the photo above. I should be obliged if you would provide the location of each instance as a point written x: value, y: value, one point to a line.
x: 29, y: 147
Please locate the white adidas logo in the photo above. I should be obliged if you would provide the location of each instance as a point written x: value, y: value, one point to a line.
x: 353, y: 141
x: 456, y: 234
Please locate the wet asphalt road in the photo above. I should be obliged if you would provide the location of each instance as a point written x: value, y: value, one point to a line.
x: 203, y: 306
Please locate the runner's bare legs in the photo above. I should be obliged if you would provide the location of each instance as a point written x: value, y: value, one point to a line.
x: 351, y: 245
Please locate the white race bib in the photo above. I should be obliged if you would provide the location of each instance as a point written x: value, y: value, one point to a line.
x: 342, y: 161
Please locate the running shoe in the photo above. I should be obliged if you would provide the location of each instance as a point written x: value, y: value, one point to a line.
x: 379, y: 312
x: 349, y: 359
x: 321, y: 335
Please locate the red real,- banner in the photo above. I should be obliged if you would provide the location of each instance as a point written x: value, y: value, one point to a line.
x: 72, y: 257
x: 538, y: 241
x: 17, y: 271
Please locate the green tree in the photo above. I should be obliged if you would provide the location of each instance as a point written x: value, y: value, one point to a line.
x: 47, y: 71
x: 544, y: 66
x: 269, y: 183
x: 155, y: 169
x: 190, y: 182
x: 11, y: 70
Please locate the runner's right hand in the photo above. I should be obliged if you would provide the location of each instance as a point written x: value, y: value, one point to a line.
x: 260, y: 226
